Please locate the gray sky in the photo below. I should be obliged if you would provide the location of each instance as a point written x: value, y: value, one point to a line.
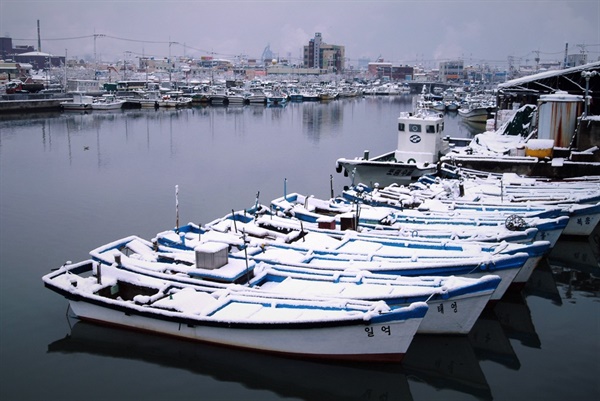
x: 400, y: 31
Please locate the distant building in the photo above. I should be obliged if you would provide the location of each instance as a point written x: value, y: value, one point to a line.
x: 452, y: 71
x: 383, y: 70
x: 363, y: 63
x: 25, y: 54
x: 39, y: 60
x: 7, y: 50
x: 10, y: 71
x: 320, y: 55
x: 289, y: 70
x: 575, y: 60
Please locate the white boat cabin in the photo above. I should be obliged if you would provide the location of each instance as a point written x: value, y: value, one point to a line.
x: 420, y: 137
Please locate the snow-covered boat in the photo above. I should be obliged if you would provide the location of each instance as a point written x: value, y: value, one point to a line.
x: 577, y: 199
x: 174, y: 99
x: 108, y: 102
x: 455, y: 303
x: 473, y: 294
x: 420, y: 143
x: 138, y: 256
x: 336, y: 216
x: 315, y: 327
x: 376, y: 214
x: 513, y: 262
x: 476, y: 112
x: 80, y: 102
x: 334, y: 227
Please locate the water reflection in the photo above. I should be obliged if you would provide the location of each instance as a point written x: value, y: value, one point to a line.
x: 575, y: 264
x: 446, y: 362
x: 514, y: 316
x: 542, y: 283
x: 286, y: 377
x: 490, y: 342
x: 442, y: 362
x: 578, y: 253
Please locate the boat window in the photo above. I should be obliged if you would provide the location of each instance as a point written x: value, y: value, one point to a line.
x: 401, y: 127
x: 430, y: 129
x: 414, y: 127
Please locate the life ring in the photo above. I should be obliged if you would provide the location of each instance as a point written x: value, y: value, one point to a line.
x: 414, y: 128
x: 411, y: 160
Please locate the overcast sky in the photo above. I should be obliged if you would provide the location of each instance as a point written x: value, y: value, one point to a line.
x: 399, y: 31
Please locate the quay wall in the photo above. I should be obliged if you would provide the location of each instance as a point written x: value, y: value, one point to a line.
x: 14, y: 106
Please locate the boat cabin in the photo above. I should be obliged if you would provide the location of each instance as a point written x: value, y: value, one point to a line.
x: 421, y: 137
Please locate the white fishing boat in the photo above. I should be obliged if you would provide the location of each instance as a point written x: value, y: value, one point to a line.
x: 320, y: 328
x: 256, y: 96
x: 476, y: 112
x: 512, y: 263
x: 276, y: 97
x: 550, y: 222
x: 577, y: 199
x: 363, y: 208
x: 174, y: 99
x: 472, y: 294
x: 108, y: 102
x: 420, y: 143
x: 455, y: 303
x: 335, y: 227
x: 80, y: 102
x: 235, y: 97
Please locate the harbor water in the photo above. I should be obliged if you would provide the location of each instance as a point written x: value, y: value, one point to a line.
x: 70, y: 182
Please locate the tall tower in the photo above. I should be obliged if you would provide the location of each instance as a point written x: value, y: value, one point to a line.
x: 317, y: 50
x: 39, y: 37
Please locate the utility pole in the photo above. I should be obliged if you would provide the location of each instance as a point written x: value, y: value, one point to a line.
x: 537, y: 60
x: 587, y: 75
x: 95, y: 58
x: 170, y: 43
x: 583, y: 53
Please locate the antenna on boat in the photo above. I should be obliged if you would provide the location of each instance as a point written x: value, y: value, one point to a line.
x: 233, y: 218
x: 245, y: 240
x: 256, y: 203
x: 177, y: 209
x: 331, y: 184
x: 285, y: 189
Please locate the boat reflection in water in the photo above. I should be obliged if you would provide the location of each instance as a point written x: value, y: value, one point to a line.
x: 515, y: 318
x: 446, y: 362
x: 295, y: 378
x: 542, y: 283
x: 490, y: 342
x: 443, y: 362
x: 577, y: 254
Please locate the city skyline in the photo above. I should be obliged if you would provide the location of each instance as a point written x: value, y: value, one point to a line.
x: 402, y: 32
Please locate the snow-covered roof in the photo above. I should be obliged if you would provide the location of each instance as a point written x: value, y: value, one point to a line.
x: 548, y: 74
x: 39, y: 54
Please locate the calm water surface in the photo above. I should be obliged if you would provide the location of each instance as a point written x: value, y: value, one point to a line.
x: 70, y: 182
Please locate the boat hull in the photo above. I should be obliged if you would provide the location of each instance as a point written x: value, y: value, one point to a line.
x: 454, y: 316
x: 108, y: 106
x: 383, y: 171
x: 300, y: 327
x: 315, y: 342
x: 479, y: 114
